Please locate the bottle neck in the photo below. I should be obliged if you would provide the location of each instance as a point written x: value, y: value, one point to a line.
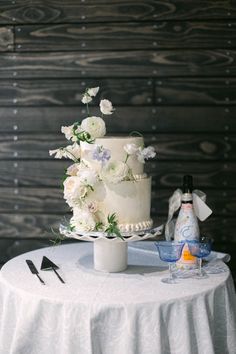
x: 187, y: 198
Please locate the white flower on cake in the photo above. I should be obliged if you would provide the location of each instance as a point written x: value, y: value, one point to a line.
x: 89, y: 94
x: 92, y: 206
x: 68, y: 131
x: 71, y: 151
x: 72, y: 170
x: 106, y: 107
x: 59, y: 153
x: 93, y: 91
x: 88, y: 177
x: 131, y: 149
x: 86, y: 98
x: 74, y: 190
x: 145, y: 153
x: 82, y: 220
x: 115, y: 172
x: 95, y: 126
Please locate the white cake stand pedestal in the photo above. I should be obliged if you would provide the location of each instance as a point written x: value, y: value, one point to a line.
x: 110, y: 256
x: 110, y: 253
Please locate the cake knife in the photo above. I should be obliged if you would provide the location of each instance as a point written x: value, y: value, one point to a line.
x: 34, y: 270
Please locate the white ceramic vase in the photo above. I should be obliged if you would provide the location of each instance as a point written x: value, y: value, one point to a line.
x: 110, y: 256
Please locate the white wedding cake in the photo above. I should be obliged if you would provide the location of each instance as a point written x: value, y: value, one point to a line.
x: 106, y: 186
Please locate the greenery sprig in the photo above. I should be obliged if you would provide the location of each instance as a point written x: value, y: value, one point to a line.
x: 82, y: 135
x: 112, y: 228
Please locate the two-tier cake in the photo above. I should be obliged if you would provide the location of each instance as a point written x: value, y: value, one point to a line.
x: 106, y: 186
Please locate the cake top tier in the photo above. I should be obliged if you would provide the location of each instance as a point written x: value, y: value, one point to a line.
x: 118, y: 148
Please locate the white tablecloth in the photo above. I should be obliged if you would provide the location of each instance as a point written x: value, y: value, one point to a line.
x: 121, y: 313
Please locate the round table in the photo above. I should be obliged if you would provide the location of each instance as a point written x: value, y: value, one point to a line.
x: 131, y: 312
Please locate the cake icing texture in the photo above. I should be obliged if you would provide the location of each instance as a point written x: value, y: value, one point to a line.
x: 106, y: 187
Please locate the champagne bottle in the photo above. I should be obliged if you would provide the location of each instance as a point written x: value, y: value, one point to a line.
x: 186, y: 227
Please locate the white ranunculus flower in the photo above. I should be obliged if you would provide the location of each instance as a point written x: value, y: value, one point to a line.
x: 93, y: 91
x: 115, y: 172
x: 88, y: 177
x: 82, y: 220
x: 95, y: 126
x: 86, y: 98
x: 74, y: 190
x: 59, y: 153
x: 131, y: 149
x: 73, y: 152
x: 145, y: 153
x: 68, y: 131
x: 106, y: 107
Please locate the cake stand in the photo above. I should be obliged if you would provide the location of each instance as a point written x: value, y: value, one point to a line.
x: 110, y: 253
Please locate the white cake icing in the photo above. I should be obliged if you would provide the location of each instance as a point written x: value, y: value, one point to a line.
x: 129, y: 200
x: 116, y: 147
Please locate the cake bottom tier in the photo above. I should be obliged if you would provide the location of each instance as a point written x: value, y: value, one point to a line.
x: 130, y: 201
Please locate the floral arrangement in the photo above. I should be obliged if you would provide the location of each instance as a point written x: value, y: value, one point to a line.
x: 81, y: 179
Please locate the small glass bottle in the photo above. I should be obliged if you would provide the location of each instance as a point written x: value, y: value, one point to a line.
x: 186, y: 227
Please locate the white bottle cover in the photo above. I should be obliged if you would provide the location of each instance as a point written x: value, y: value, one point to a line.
x: 186, y: 229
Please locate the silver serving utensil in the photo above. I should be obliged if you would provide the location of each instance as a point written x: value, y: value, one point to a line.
x: 47, y: 264
x: 34, y: 270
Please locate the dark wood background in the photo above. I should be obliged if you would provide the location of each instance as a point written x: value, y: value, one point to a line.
x: 169, y: 69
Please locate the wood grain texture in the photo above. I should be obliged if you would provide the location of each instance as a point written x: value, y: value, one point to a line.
x: 28, y: 225
x: 215, y: 175
x: 160, y: 119
x: 6, y: 39
x: 54, y: 11
x: 194, y: 147
x: 120, y: 36
x: 183, y: 91
x: 103, y: 64
x: 196, y: 91
x: 69, y: 92
x: 43, y: 173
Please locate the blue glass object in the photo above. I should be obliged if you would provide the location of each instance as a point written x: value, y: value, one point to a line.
x: 169, y: 251
x: 200, y: 250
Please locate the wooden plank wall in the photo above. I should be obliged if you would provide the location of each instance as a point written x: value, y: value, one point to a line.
x: 167, y: 66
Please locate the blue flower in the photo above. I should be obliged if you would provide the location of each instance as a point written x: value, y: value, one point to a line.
x: 101, y: 154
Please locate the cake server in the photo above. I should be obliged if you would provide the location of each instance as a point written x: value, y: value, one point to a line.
x: 34, y: 270
x: 47, y: 264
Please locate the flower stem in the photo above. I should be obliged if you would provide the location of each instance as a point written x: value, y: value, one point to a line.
x: 126, y: 159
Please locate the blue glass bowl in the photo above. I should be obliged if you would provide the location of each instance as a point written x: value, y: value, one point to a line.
x: 199, y: 249
x: 169, y: 251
